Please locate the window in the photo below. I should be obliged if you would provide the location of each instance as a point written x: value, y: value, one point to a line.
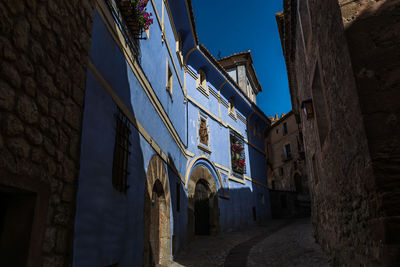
x: 178, y: 197
x: 294, y: 165
x: 281, y: 171
x: 286, y: 149
x: 202, y: 80
x: 277, y: 131
x: 121, y: 153
x: 231, y: 105
x: 320, y: 106
x: 179, y: 49
x: 284, y: 128
x: 273, y: 184
x: 237, y: 154
x: 170, y: 79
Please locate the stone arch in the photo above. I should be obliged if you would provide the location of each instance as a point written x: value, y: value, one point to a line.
x: 204, y: 161
x: 156, y: 217
x: 201, y: 173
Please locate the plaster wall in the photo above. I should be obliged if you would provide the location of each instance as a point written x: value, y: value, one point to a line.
x: 108, y: 223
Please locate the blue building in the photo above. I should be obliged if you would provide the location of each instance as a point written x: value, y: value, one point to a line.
x: 172, y: 140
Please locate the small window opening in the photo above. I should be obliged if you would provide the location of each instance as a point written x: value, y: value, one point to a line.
x: 231, y: 105
x: 169, y: 80
x: 285, y: 131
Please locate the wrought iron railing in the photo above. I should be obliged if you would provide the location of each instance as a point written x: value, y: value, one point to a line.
x: 131, y: 39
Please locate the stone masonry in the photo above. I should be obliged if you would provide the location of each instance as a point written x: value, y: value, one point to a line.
x: 44, y: 51
x: 345, y: 58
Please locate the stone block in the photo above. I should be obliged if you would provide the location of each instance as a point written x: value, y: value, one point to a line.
x: 21, y: 33
x: 12, y: 125
x: 7, y: 96
x: 33, y: 135
x: 10, y: 74
x: 6, y: 50
x: 56, y: 110
x: 30, y: 86
x: 18, y: 146
x: 27, y: 109
x: 49, y: 241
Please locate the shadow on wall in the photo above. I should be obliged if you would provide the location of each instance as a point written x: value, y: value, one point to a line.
x: 258, y: 168
x: 375, y: 57
x: 107, y: 216
x: 373, y: 41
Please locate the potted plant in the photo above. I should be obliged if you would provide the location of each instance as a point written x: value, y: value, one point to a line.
x: 136, y: 16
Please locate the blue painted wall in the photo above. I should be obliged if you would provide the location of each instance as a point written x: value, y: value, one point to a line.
x: 109, y: 224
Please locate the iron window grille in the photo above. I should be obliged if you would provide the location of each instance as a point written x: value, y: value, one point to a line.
x: 121, y: 153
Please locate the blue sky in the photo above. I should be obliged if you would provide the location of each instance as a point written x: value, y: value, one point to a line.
x: 231, y: 26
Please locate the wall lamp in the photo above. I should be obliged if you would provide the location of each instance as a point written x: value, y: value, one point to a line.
x: 308, y: 108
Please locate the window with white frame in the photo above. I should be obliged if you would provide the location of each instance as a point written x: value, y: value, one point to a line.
x: 202, y: 81
x: 179, y: 49
x: 170, y: 79
x: 232, y: 105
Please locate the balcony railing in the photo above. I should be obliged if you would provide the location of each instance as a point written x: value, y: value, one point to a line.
x: 123, y: 20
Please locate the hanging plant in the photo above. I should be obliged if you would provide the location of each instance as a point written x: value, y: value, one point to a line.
x: 143, y: 17
x: 136, y: 16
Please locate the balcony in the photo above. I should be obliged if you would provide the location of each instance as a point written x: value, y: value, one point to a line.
x: 127, y: 19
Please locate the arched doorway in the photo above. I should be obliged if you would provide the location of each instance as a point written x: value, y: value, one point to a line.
x: 202, y: 208
x: 156, y: 218
x: 203, y: 211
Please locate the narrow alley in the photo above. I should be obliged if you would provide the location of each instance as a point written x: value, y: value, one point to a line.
x: 277, y: 243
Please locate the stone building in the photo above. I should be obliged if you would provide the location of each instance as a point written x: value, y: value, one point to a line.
x: 287, y: 172
x: 343, y: 63
x: 120, y: 146
x: 44, y: 48
x: 285, y: 155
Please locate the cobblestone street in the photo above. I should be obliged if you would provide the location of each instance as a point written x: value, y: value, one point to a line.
x: 278, y: 243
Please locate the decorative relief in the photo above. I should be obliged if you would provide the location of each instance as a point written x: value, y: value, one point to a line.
x: 203, y: 135
x: 203, y: 132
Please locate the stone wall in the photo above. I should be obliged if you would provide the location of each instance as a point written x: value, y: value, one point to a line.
x: 44, y: 50
x: 373, y: 36
x: 275, y: 155
x: 345, y: 196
